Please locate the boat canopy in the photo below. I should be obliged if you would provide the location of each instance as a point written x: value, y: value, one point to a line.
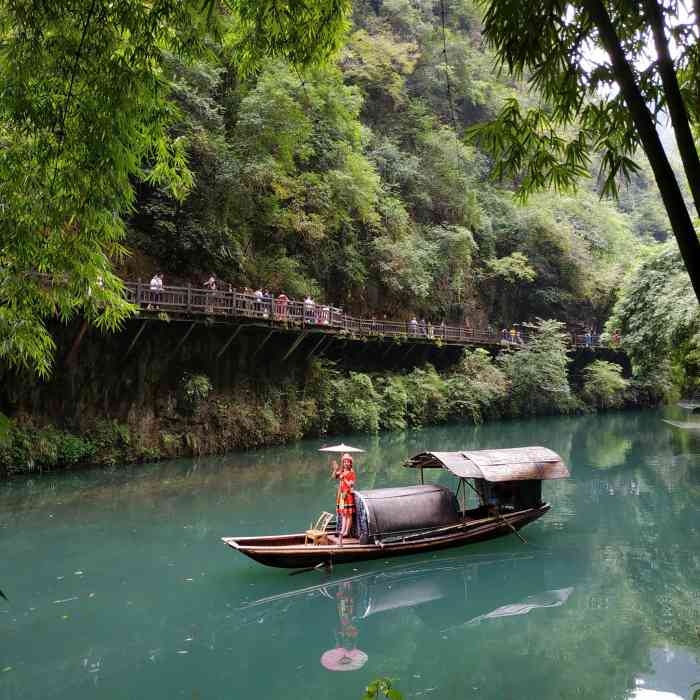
x: 513, y: 464
x: 404, y: 509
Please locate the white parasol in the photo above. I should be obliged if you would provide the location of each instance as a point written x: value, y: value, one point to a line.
x: 340, y: 448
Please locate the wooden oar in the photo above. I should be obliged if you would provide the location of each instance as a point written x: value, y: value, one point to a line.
x: 510, y: 525
x: 321, y: 564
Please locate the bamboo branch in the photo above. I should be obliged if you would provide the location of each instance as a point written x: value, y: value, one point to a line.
x: 674, y: 99
x: 671, y: 194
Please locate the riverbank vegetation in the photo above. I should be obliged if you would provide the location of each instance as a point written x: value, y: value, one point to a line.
x: 197, y: 419
x: 659, y: 320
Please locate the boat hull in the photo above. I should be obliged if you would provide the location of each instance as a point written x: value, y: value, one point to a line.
x: 290, y: 552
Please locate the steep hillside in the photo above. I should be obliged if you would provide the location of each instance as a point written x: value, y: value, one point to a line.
x: 355, y: 184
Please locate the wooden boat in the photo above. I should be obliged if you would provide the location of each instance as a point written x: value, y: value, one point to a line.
x: 684, y: 425
x: 692, y: 404
x: 414, y: 519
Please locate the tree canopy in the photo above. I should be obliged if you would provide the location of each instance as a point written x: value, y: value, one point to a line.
x: 659, y: 321
x: 603, y: 90
x: 85, y: 112
x: 315, y: 151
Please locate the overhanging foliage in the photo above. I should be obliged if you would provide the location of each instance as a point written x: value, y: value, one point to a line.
x: 592, y: 104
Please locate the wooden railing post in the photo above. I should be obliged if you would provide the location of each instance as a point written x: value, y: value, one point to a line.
x: 139, y: 292
x: 189, y: 296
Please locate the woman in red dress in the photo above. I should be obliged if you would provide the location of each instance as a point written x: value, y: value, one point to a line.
x: 345, y: 498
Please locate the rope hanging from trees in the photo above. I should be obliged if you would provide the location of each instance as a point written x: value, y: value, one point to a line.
x: 450, y: 98
x: 448, y: 84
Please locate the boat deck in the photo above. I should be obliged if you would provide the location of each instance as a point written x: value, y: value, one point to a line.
x: 334, y: 539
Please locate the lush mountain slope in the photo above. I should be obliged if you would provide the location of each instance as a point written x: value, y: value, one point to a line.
x: 354, y: 183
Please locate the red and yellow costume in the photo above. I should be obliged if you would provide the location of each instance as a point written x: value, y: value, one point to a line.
x: 345, y: 498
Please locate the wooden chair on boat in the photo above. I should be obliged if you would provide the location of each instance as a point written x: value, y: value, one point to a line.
x: 316, y: 534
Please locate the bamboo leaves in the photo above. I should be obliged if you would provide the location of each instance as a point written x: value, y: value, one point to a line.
x: 85, y: 112
x: 589, y: 61
x: 530, y: 148
x: 304, y: 32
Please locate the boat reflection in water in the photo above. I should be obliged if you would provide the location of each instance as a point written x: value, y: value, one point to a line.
x: 447, y: 594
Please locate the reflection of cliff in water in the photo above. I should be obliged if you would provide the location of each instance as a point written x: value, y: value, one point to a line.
x: 445, y: 594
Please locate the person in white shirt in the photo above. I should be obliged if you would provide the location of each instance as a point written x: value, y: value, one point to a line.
x: 309, y: 309
x: 210, y: 284
x: 156, y: 289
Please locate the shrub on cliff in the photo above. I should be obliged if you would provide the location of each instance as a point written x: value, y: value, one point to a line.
x: 427, y: 396
x: 111, y: 439
x: 194, y: 389
x: 320, y: 388
x: 603, y: 386
x: 538, y: 372
x: 394, y: 403
x: 357, y: 404
x: 476, y: 387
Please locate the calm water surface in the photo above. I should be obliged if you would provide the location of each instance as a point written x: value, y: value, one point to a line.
x: 120, y: 588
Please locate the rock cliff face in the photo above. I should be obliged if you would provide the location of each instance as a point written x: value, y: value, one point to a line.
x: 141, y: 367
x: 126, y: 394
x: 164, y: 388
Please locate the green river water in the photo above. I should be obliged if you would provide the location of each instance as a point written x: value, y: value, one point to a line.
x: 120, y: 588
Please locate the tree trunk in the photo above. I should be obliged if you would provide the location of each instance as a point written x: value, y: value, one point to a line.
x: 678, y: 214
x: 674, y: 99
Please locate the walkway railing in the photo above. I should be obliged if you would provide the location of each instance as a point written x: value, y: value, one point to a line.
x: 238, y: 304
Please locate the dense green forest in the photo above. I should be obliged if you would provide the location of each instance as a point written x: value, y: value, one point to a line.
x: 354, y: 183
x: 344, y: 163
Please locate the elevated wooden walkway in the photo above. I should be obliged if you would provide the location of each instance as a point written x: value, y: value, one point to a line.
x: 223, y: 307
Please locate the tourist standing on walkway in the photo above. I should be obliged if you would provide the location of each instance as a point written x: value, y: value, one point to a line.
x: 156, y: 287
x: 210, y: 284
x: 281, y: 306
x: 268, y: 303
x: 259, y: 300
x: 309, y: 309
